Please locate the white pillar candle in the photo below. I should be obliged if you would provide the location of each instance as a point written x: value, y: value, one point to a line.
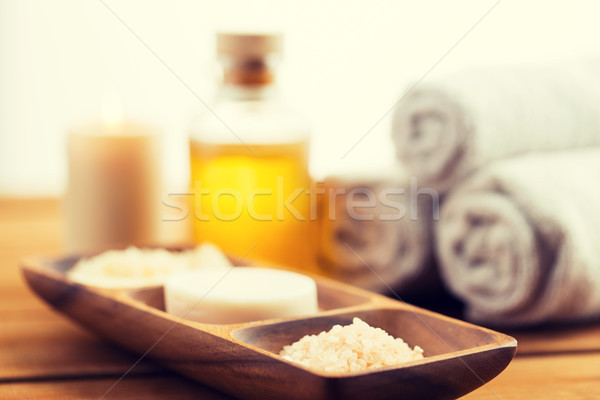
x: 115, y: 185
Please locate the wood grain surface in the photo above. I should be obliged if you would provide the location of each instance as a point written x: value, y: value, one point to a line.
x: 45, y: 356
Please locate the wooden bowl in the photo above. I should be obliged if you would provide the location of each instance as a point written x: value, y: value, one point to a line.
x: 242, y: 359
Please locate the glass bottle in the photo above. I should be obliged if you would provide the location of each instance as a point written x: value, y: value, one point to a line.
x: 249, y: 160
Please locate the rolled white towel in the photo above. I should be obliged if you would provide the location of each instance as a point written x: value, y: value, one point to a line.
x: 519, y: 241
x: 388, y: 246
x: 445, y: 129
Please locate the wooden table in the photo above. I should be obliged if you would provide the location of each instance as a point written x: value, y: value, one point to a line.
x: 45, y: 356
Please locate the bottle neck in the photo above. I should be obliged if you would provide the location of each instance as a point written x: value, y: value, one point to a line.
x: 251, y: 73
x: 248, y: 78
x: 231, y: 91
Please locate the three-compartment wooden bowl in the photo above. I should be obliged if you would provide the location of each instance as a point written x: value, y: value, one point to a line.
x: 242, y: 359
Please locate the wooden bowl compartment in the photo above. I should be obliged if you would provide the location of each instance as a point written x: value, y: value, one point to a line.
x: 436, y: 336
x: 329, y: 297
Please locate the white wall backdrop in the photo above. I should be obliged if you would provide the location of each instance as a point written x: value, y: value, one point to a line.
x: 346, y: 63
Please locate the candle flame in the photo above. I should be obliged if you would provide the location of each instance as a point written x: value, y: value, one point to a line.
x: 112, y: 110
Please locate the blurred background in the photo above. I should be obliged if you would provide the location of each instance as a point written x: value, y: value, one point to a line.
x: 502, y: 134
x: 345, y: 65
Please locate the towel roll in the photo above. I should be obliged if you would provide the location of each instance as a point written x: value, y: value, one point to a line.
x: 444, y: 130
x: 519, y: 241
x: 374, y: 234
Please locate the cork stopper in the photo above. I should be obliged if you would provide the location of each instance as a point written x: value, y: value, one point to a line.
x: 246, y: 57
x: 241, y: 45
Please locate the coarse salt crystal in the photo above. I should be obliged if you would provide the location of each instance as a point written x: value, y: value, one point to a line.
x: 351, y: 348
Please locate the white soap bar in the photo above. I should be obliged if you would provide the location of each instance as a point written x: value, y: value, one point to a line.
x: 239, y: 294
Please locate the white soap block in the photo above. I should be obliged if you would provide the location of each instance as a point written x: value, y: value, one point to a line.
x: 239, y: 294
